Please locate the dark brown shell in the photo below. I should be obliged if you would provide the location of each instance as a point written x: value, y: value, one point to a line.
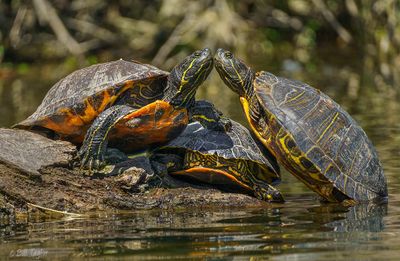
x: 77, y: 99
x: 328, y: 138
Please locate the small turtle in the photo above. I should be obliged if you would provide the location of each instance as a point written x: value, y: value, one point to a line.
x: 230, y: 159
x: 308, y: 133
x: 133, y: 104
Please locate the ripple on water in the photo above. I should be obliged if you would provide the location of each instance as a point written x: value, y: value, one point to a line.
x: 304, y: 229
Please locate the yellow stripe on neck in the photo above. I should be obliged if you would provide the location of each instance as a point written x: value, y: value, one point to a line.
x: 204, y: 118
x: 183, y: 81
x: 237, y: 73
x: 246, y: 109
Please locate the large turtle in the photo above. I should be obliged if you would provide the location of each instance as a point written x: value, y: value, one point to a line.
x: 309, y: 133
x: 134, y: 104
x: 71, y: 105
x: 230, y: 159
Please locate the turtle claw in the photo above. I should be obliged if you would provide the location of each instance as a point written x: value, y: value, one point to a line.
x: 96, y: 164
x: 90, y: 162
x: 268, y: 193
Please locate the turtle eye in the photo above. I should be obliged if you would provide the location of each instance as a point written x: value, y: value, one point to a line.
x: 228, y: 55
x: 197, y: 54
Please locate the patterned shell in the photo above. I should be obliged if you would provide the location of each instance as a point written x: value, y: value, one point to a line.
x: 94, y: 87
x: 236, y: 143
x: 327, y: 135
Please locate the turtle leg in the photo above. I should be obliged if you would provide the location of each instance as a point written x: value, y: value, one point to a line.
x: 145, y: 171
x: 268, y: 193
x: 209, y: 116
x: 96, y: 139
x: 171, y: 162
x: 138, y: 173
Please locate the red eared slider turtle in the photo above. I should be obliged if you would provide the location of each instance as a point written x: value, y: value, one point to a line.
x: 230, y: 159
x: 309, y: 133
x: 136, y: 105
x: 71, y: 105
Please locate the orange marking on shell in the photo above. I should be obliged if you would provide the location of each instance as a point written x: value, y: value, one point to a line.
x: 197, y: 173
x: 71, y: 124
x: 89, y: 113
x: 105, y: 102
x: 73, y: 127
x: 141, y: 129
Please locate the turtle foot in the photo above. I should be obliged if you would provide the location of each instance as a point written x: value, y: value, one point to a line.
x: 136, y: 174
x: 90, y: 162
x: 269, y: 194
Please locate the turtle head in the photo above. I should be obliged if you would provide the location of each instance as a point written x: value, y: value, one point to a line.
x: 234, y: 72
x: 187, y: 76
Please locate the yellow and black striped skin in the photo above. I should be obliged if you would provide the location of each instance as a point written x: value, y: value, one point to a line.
x: 316, y: 140
x: 72, y: 104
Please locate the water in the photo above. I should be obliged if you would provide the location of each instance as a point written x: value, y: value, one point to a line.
x: 301, y: 229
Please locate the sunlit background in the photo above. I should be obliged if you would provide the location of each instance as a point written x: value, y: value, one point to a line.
x: 349, y: 49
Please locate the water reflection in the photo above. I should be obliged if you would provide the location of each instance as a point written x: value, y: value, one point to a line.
x: 300, y: 226
x: 366, y: 217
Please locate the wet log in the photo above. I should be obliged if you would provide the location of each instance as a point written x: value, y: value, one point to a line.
x: 37, y: 172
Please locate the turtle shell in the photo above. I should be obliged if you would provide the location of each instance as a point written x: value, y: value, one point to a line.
x: 209, y: 153
x: 318, y: 141
x: 73, y: 103
x: 149, y: 126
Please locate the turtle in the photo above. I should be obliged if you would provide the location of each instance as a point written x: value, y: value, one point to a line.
x: 308, y: 132
x: 230, y: 159
x: 72, y: 104
x: 135, y: 105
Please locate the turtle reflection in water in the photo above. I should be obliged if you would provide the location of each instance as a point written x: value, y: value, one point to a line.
x: 135, y: 105
x: 308, y: 133
x: 230, y: 160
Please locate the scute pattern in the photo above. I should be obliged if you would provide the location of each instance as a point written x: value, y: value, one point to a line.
x: 231, y: 145
x: 325, y: 133
x: 149, y: 126
x: 90, y: 83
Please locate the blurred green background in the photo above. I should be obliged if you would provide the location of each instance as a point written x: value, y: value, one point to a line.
x: 349, y: 48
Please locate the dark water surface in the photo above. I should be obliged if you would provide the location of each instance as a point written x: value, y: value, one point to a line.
x: 301, y: 229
